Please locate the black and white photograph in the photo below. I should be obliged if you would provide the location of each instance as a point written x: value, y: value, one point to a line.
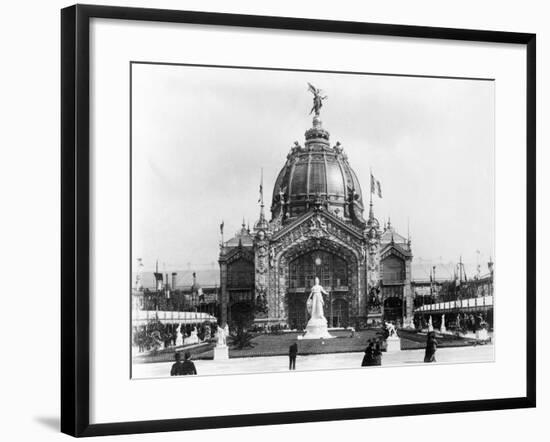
x: 274, y: 221
x: 302, y: 220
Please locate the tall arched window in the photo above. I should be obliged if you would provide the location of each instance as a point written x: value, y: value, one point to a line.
x: 393, y: 269
x: 240, y: 274
x: 329, y: 268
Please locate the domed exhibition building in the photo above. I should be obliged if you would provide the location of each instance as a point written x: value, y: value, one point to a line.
x: 317, y: 228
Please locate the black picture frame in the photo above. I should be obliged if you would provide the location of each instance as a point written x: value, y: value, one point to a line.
x: 75, y: 225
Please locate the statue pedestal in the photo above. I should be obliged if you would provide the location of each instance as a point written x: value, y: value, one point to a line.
x: 393, y: 344
x: 221, y: 353
x: 317, y: 329
x: 442, y: 329
x: 482, y: 334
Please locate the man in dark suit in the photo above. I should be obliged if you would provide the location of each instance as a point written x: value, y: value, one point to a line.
x: 292, y: 352
x: 188, y: 366
x: 183, y: 368
x: 177, y: 367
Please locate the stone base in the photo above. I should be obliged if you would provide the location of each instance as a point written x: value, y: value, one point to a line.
x: 191, y: 340
x: 482, y: 334
x: 393, y: 344
x: 221, y: 353
x: 317, y: 329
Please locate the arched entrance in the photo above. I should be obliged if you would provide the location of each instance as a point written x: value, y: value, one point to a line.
x: 393, y: 309
x: 332, y: 271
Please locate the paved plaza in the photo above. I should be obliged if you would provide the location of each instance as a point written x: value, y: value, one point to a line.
x: 480, y: 353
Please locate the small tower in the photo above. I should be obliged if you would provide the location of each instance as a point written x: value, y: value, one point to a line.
x: 261, y: 225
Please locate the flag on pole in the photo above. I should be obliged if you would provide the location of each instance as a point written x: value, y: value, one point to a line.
x: 221, y: 227
x: 375, y: 186
x: 261, y: 193
x: 261, y: 196
x: 158, y: 280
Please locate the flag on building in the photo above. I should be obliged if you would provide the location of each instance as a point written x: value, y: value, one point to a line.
x: 261, y: 193
x: 221, y: 227
x: 375, y: 186
x: 158, y: 277
x: 158, y: 280
x: 379, y: 189
x: 261, y: 196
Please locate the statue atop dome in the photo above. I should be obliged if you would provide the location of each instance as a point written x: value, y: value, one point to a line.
x: 317, y: 99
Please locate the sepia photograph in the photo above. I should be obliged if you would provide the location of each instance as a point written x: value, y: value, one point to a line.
x: 291, y: 220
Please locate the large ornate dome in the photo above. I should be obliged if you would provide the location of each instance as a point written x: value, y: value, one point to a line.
x: 317, y: 175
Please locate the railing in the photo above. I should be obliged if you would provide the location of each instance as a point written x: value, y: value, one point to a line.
x: 142, y: 317
x: 459, y: 304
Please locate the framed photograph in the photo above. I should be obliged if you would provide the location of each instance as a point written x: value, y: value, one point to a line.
x: 273, y: 220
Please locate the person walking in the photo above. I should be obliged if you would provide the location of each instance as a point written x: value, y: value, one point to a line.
x: 369, y: 354
x: 292, y: 352
x: 377, y: 354
x: 431, y: 347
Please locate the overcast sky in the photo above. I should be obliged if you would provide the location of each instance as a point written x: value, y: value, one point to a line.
x: 201, y: 136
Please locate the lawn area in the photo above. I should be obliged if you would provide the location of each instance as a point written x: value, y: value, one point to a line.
x: 277, y: 345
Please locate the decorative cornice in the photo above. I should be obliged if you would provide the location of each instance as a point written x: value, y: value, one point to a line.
x: 395, y: 249
x: 318, y: 212
x: 236, y: 253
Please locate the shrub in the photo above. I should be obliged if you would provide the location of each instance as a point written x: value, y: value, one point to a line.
x: 242, y: 339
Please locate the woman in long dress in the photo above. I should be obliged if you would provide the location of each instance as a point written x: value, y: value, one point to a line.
x: 316, y: 300
x: 431, y: 347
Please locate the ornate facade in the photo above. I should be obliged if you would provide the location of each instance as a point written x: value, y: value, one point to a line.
x: 317, y: 228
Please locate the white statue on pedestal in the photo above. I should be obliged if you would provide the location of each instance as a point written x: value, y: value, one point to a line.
x: 179, y: 337
x: 393, y: 342
x: 317, y: 325
x: 443, y: 329
x: 430, y: 325
x: 315, y: 301
x: 222, y: 341
x: 391, y: 330
x: 221, y: 351
x: 193, y: 338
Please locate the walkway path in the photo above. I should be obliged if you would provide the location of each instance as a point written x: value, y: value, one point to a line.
x: 480, y: 353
